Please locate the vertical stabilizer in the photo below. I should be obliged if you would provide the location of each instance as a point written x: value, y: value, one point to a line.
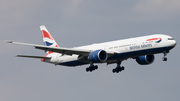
x: 47, y: 38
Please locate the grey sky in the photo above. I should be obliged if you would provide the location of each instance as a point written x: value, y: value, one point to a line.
x: 80, y: 22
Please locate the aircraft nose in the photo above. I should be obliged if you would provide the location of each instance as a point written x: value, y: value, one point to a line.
x: 175, y: 43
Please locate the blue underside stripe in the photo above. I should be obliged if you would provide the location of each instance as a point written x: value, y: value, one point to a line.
x: 123, y: 55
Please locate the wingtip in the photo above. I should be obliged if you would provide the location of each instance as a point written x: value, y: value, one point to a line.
x: 8, y: 41
x: 17, y: 56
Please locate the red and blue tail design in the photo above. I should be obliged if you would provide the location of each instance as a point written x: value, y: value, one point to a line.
x: 47, y: 38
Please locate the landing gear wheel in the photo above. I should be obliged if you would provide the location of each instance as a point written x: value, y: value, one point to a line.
x: 87, y: 69
x: 122, y: 68
x: 165, y: 53
x: 91, y: 68
x: 164, y: 59
x: 95, y: 67
x: 114, y: 70
x: 118, y: 69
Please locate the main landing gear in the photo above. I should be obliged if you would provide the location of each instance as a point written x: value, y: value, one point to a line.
x: 115, y: 70
x: 91, y: 68
x: 118, y: 68
x: 165, y: 54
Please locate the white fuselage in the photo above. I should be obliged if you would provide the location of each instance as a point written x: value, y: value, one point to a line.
x: 123, y: 49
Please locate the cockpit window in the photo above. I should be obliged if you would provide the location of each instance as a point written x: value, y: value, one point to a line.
x: 170, y: 38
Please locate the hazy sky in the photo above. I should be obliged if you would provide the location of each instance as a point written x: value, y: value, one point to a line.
x: 81, y: 22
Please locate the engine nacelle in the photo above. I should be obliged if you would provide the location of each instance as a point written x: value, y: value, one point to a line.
x: 145, y: 60
x: 98, y: 56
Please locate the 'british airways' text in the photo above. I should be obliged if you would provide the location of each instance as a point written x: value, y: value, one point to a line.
x: 140, y: 46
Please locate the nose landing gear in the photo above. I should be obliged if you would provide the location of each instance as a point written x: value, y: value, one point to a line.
x: 165, y: 54
x: 164, y: 58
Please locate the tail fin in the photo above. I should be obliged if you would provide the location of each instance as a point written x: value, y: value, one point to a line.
x: 47, y: 38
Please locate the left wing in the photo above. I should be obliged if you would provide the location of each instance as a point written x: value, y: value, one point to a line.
x: 68, y: 51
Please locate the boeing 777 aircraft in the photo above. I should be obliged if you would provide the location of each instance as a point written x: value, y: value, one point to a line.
x: 142, y: 49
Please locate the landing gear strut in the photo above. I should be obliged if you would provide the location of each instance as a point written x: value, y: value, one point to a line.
x: 118, y: 68
x: 165, y: 54
x: 91, y: 68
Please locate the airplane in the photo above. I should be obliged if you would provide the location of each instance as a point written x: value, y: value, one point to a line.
x: 142, y: 49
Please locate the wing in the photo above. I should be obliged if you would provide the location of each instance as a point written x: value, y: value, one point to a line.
x: 67, y: 51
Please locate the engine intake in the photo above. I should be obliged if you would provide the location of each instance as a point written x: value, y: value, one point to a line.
x: 145, y: 60
x: 98, y: 56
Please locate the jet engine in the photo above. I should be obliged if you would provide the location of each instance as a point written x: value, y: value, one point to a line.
x: 98, y: 56
x: 145, y: 60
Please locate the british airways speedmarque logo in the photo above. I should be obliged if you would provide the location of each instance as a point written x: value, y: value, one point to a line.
x: 157, y: 40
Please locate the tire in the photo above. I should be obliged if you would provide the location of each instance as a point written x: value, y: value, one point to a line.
x: 114, y: 70
x: 95, y: 67
x: 87, y: 69
x: 122, y: 68
x: 164, y: 59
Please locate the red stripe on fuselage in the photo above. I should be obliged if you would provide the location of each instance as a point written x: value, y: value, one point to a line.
x: 49, y: 52
x: 153, y: 39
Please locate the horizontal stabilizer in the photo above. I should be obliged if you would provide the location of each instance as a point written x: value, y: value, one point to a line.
x: 39, y: 57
